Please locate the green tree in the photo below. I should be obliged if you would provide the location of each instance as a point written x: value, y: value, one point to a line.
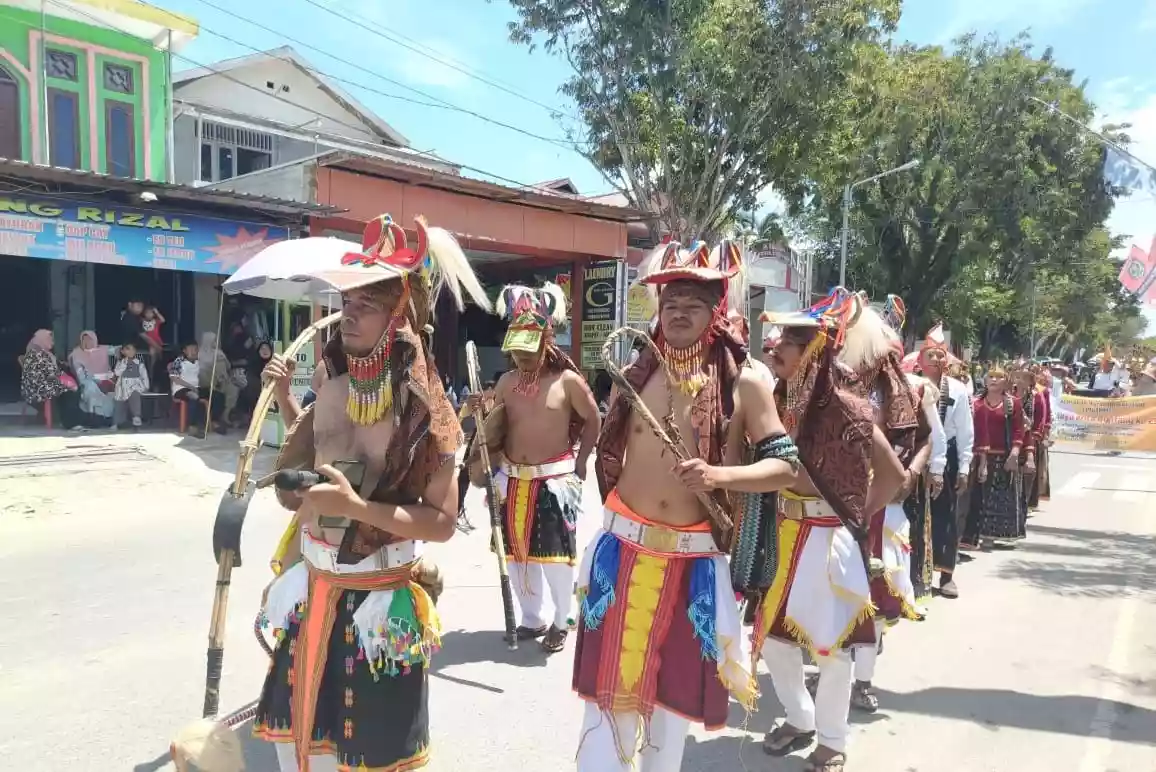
x: 1005, y: 189
x: 691, y: 107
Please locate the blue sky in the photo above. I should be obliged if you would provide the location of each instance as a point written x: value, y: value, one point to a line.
x: 1109, y: 50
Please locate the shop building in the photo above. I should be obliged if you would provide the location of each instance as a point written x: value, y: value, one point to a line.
x: 87, y: 84
x: 76, y: 246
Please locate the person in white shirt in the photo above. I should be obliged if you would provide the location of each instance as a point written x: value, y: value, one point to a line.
x: 1105, y: 380
x: 955, y: 414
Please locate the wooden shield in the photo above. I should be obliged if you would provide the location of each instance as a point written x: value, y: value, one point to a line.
x: 495, y: 429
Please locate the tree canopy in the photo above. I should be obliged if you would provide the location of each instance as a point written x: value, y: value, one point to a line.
x: 691, y: 107
x: 1008, y: 202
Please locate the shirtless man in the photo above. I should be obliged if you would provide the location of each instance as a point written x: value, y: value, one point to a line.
x: 548, y: 409
x: 659, y: 631
x: 347, y: 684
x: 820, y: 599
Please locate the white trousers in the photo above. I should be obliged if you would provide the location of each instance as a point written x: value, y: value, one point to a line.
x: 531, y: 582
x: 867, y: 656
x: 827, y: 713
x: 287, y: 760
x: 602, y: 737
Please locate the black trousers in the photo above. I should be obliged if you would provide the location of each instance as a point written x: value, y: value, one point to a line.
x: 915, y: 507
x: 944, y: 523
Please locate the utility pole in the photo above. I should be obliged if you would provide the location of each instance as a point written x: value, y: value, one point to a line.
x: 847, y: 208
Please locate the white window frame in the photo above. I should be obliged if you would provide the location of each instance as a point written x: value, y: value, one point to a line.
x: 220, y: 136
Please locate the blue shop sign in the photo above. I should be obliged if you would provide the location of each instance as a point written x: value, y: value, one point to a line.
x: 55, y: 229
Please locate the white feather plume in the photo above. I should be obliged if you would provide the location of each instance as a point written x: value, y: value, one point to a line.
x: 452, y: 269
x: 558, y: 314
x: 652, y: 263
x: 738, y: 287
x: 867, y: 341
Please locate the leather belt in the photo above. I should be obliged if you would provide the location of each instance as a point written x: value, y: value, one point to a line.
x: 806, y: 509
x: 656, y: 538
x: 538, y: 471
x: 324, y: 556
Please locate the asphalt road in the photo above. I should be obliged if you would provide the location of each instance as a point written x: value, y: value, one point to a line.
x: 1046, y: 663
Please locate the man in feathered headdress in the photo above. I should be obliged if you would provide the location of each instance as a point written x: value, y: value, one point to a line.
x: 820, y: 599
x: 355, y: 626
x: 954, y: 409
x: 659, y: 641
x: 543, y: 408
x: 873, y: 352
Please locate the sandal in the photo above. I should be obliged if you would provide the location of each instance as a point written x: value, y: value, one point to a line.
x: 863, y: 697
x: 529, y: 633
x: 555, y: 639
x: 833, y: 764
x: 784, y: 739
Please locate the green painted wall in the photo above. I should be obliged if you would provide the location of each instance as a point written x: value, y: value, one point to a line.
x: 15, y: 26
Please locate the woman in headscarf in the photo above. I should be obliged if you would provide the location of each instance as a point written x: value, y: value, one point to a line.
x: 90, y: 362
x: 215, y: 372
x: 42, y: 381
x: 255, y: 365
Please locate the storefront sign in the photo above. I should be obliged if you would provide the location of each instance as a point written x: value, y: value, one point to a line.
x: 55, y: 229
x: 600, y: 309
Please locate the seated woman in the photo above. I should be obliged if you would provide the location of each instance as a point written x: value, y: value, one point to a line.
x: 251, y: 391
x: 91, y: 363
x: 42, y: 381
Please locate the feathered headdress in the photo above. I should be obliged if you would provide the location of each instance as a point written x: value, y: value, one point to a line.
x: 531, y: 311
x: 868, y: 341
x: 436, y: 260
x: 671, y: 262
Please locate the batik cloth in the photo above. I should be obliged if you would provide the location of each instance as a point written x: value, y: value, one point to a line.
x: 995, y: 505
x: 820, y: 598
x: 892, y: 592
x: 658, y: 622
x: 348, y: 674
x: 541, y: 508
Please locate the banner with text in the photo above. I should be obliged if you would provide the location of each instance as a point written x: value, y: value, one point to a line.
x: 600, y: 309
x: 1108, y: 423
x: 56, y: 229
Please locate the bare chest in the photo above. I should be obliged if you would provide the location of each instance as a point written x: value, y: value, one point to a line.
x: 336, y: 438
x: 669, y: 407
x: 549, y: 400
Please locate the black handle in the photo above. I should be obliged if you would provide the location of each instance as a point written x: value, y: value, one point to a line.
x: 508, y: 609
x: 216, y: 658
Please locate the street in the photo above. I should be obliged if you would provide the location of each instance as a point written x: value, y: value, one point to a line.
x: 1046, y: 662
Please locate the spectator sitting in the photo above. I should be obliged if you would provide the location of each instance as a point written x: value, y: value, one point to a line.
x: 215, y: 376
x: 91, y: 363
x: 132, y: 380
x: 42, y: 380
x: 184, y: 380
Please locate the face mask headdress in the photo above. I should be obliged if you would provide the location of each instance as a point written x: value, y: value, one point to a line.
x: 724, y: 265
x: 420, y: 272
x: 533, y: 313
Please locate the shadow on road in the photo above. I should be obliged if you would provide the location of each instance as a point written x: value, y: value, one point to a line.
x: 1111, y: 561
x: 465, y: 647
x: 1069, y: 714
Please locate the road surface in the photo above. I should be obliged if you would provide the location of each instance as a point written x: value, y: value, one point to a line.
x: 1046, y: 662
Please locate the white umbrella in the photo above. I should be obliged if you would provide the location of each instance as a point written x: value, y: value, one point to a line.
x: 288, y: 269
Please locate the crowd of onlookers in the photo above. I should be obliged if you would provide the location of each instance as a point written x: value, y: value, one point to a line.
x: 106, y: 386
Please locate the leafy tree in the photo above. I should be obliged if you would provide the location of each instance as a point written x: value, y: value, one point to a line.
x: 691, y: 107
x: 1005, y: 194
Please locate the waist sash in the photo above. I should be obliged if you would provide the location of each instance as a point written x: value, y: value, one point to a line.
x: 390, y: 568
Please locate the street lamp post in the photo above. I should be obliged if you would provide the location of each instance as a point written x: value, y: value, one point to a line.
x: 847, y: 209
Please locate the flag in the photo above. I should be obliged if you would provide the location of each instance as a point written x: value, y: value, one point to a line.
x: 1138, y: 273
x: 1122, y: 170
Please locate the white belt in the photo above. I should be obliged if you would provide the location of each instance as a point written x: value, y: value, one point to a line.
x: 538, y: 471
x: 324, y: 557
x: 656, y: 538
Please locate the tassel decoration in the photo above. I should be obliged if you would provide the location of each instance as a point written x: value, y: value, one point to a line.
x: 371, y: 383
x: 686, y: 366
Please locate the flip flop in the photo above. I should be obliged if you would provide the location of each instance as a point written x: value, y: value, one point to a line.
x: 529, y: 633
x: 555, y: 639
x: 784, y: 740
x: 833, y: 764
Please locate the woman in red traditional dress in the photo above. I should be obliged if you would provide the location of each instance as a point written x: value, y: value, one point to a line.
x: 999, y: 439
